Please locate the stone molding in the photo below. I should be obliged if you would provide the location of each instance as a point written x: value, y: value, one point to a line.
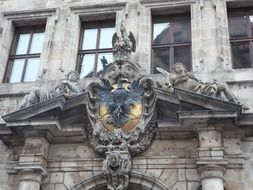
x: 38, y: 13
x: 211, y: 171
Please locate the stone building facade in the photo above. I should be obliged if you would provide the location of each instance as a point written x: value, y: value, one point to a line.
x: 200, y: 142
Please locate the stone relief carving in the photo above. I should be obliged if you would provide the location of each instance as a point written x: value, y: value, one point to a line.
x: 117, y: 166
x: 181, y: 78
x: 121, y: 111
x: 68, y: 87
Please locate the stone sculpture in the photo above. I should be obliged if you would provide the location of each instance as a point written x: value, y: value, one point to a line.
x: 116, y: 170
x: 68, y: 87
x: 181, y: 78
x: 123, y: 45
x: 121, y: 111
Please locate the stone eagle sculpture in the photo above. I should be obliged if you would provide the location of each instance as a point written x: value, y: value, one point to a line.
x: 124, y: 44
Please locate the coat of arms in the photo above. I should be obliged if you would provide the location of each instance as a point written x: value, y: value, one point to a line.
x: 121, y: 111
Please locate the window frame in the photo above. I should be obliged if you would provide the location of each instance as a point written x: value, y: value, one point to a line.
x: 98, y: 24
x: 13, y: 56
x: 170, y: 46
x: 240, y: 40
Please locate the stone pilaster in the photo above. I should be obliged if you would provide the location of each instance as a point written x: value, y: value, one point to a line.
x: 210, y: 37
x: 211, y: 163
x: 32, y: 164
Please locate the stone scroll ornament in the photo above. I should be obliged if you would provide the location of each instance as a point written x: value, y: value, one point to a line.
x: 121, y: 110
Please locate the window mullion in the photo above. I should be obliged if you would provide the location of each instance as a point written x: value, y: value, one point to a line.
x: 251, y: 52
x: 171, y: 29
x: 24, y: 70
x: 97, y: 49
x: 171, y: 58
x: 26, y: 56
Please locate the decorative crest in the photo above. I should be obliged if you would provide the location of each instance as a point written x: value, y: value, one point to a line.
x: 121, y: 110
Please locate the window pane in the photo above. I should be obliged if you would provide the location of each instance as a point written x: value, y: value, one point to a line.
x: 87, y: 65
x: 181, y: 29
x: 237, y: 22
x: 251, y: 23
x: 23, y: 42
x: 104, y: 59
x: 182, y: 54
x: 32, y: 68
x: 17, y: 70
x: 89, y: 39
x: 37, y: 43
x: 161, y: 33
x: 241, y: 55
x: 106, y: 37
x: 161, y: 58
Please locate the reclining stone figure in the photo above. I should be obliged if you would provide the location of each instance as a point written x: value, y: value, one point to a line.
x: 181, y: 78
x: 68, y: 87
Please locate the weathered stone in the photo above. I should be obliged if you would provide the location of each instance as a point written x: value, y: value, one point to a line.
x: 71, y: 179
x: 174, y: 154
x: 48, y: 186
x: 60, y: 187
x: 179, y: 186
x: 56, y: 177
x: 193, y: 185
x: 169, y: 177
x: 181, y: 174
x: 192, y: 175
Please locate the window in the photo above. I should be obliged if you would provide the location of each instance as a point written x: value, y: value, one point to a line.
x: 171, y: 41
x: 24, y: 58
x: 241, y: 37
x: 95, y: 51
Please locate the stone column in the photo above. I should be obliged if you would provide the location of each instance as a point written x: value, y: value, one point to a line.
x: 32, y: 164
x: 29, y: 180
x: 212, y: 177
x: 211, y: 163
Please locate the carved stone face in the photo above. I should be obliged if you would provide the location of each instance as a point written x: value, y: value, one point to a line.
x: 73, y: 76
x: 113, y: 72
x: 179, y: 68
x: 114, y: 160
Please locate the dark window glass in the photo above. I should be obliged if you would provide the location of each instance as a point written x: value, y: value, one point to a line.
x: 161, y: 58
x: 237, y: 24
x: 182, y: 54
x: 251, y: 22
x: 241, y: 55
x: 181, y: 29
x: 241, y: 37
x: 24, y: 59
x: 171, y: 41
x: 95, y: 53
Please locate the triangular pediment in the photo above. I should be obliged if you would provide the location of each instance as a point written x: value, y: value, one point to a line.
x: 55, y: 107
x: 171, y: 103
